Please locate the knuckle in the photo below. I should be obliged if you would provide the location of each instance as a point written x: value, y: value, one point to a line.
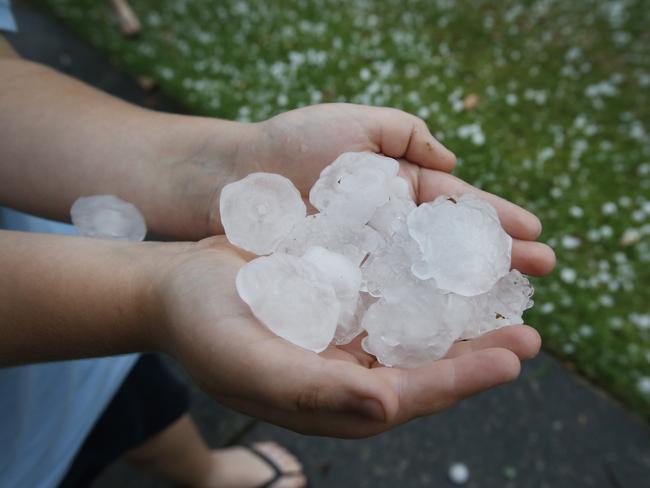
x: 310, y: 398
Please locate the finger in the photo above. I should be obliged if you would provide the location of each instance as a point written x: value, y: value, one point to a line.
x: 421, y: 391
x: 517, y: 222
x: 523, y: 340
x: 325, y: 423
x: 430, y: 389
x: 400, y: 134
x: 533, y: 258
x: 295, y: 380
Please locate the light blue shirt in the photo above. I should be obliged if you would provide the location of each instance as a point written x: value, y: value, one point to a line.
x: 7, y: 21
x: 47, y: 410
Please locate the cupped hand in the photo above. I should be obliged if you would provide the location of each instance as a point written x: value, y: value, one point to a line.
x: 300, y: 143
x: 342, y: 392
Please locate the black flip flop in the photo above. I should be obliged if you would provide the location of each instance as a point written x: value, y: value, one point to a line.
x: 277, y: 472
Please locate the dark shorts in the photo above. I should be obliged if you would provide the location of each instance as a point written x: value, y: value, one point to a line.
x: 150, y: 399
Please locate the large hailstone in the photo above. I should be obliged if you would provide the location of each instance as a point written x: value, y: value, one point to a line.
x: 355, y: 242
x: 345, y: 278
x: 354, y: 186
x: 292, y: 298
x: 390, y: 218
x: 389, y: 267
x: 259, y: 211
x: 464, y: 248
x: 503, y: 305
x: 408, y: 330
x: 415, y: 278
x: 108, y: 217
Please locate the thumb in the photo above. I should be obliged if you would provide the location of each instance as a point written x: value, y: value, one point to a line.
x: 341, y: 386
x: 430, y: 389
x: 294, y: 380
x: 399, y: 134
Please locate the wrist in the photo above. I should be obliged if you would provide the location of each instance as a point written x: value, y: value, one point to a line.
x: 195, y: 158
x: 145, y: 283
x: 173, y: 287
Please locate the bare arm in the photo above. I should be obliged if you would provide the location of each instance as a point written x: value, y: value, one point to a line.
x: 61, y: 139
x: 67, y: 297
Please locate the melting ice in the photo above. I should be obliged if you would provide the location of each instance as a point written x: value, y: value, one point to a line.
x: 413, y: 279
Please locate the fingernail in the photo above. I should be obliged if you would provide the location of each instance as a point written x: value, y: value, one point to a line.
x: 373, y: 409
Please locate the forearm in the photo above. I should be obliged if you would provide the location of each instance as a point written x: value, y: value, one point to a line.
x: 61, y: 139
x: 70, y: 297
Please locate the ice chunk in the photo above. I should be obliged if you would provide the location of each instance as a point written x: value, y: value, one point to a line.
x: 409, y: 330
x: 290, y: 296
x: 503, y: 305
x: 389, y: 267
x: 346, y: 336
x: 464, y: 247
x: 354, y: 186
x: 391, y: 216
x: 259, y: 211
x: 415, y: 278
x: 345, y: 278
x: 510, y: 297
x: 108, y: 217
x: 354, y: 242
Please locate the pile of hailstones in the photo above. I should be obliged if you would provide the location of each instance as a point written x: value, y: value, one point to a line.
x: 414, y: 278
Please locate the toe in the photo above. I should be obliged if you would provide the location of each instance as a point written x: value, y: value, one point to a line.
x: 293, y: 481
x: 286, y: 461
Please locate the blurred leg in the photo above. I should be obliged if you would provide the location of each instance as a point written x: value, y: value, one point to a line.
x: 180, y: 454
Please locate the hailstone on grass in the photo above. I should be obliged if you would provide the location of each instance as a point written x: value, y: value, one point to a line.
x: 408, y: 280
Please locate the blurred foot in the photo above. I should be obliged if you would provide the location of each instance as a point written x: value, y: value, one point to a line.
x: 242, y: 467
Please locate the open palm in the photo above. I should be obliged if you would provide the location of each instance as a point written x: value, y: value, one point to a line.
x: 343, y: 391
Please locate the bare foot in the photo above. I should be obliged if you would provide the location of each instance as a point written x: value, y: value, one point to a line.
x: 238, y: 467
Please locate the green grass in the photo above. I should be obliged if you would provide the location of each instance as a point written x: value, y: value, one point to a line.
x: 561, y: 125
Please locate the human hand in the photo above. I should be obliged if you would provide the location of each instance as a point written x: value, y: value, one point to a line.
x: 300, y: 143
x: 341, y: 392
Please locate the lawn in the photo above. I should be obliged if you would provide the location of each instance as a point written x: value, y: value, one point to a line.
x: 545, y: 102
